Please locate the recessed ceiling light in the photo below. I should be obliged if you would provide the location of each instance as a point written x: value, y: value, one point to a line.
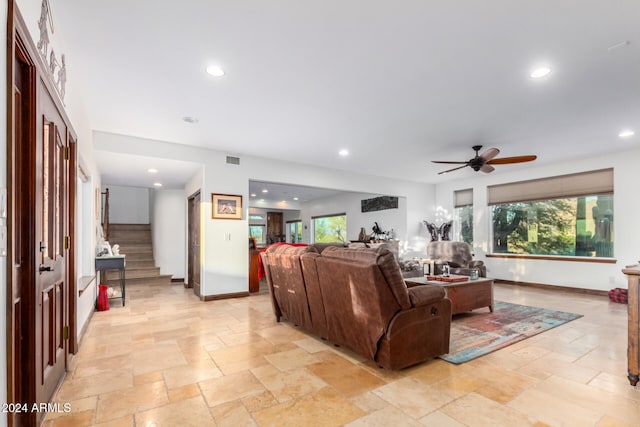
x: 152, y: 170
x: 343, y: 152
x: 157, y: 184
x: 253, y: 194
x: 189, y: 119
x: 296, y: 198
x: 626, y: 133
x: 283, y: 201
x: 265, y: 191
x: 538, y: 73
x: 215, y: 71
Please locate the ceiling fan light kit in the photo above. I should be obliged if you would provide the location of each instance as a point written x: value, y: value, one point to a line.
x: 483, y: 162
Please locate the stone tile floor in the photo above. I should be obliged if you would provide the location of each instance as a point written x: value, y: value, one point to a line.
x: 168, y: 359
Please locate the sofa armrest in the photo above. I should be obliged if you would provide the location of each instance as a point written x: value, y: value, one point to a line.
x: 477, y: 263
x: 425, y: 294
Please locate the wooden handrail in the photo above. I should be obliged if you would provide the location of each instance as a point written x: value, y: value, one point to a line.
x: 105, y: 215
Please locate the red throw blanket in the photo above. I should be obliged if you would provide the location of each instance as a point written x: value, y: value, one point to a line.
x: 261, y: 272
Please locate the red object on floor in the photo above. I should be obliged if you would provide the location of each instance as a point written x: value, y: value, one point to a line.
x: 261, y: 272
x: 103, y: 298
x: 620, y: 295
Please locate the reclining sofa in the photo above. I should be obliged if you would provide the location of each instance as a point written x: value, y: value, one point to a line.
x: 356, y: 298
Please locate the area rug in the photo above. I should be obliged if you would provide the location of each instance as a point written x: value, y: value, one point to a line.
x: 478, y: 333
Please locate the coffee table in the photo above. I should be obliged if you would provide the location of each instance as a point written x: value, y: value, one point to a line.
x: 465, y: 296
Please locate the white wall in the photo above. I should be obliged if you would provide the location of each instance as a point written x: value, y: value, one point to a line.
x: 586, y: 275
x: 169, y: 231
x: 128, y: 205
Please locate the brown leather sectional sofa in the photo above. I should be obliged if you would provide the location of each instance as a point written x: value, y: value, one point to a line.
x: 357, y: 298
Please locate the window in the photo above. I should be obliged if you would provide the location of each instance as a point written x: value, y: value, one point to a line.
x: 257, y: 232
x: 463, y: 213
x: 578, y: 221
x: 330, y: 228
x: 294, y: 231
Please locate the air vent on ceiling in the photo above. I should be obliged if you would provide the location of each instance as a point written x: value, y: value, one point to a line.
x: 233, y: 160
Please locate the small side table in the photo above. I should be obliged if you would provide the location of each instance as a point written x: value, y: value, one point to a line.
x: 113, y: 263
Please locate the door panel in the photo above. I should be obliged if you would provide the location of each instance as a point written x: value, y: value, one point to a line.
x: 51, y: 191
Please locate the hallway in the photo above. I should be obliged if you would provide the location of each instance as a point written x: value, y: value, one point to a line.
x: 167, y: 359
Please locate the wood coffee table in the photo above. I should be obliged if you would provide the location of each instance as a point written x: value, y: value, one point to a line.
x: 465, y: 296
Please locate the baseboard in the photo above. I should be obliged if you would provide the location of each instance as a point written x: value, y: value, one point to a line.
x: 224, y: 296
x: 555, y: 288
x: 84, y: 330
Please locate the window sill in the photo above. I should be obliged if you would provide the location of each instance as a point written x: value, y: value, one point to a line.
x: 555, y: 258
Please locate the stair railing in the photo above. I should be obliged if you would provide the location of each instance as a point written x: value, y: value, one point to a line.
x: 105, y: 215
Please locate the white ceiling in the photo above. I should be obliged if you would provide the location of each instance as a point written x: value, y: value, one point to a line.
x: 398, y: 83
x: 278, y: 192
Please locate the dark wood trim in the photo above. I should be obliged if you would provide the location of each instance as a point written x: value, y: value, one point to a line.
x: 177, y: 280
x: 224, y: 296
x: 555, y: 258
x: 84, y: 282
x: 554, y: 287
x: 72, y: 177
x: 10, y: 148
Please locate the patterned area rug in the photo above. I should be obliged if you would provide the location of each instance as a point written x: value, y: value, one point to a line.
x: 478, y: 333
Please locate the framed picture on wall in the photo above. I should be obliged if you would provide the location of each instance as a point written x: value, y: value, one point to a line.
x: 226, y: 206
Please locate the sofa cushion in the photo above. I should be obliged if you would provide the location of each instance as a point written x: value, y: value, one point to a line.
x: 289, y: 290
x: 385, y: 261
x: 426, y: 294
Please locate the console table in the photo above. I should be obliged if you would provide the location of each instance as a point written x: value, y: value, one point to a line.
x: 116, y: 262
x: 633, y: 352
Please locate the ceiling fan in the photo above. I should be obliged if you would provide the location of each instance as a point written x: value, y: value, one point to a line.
x: 483, y: 162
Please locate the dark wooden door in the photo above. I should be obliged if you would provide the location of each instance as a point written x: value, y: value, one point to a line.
x: 194, y: 243
x: 51, y: 246
x: 275, y: 231
x: 39, y: 225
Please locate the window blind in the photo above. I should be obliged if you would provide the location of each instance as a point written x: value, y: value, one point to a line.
x: 557, y: 187
x: 463, y: 198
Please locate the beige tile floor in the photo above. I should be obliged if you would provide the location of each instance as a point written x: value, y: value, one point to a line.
x: 167, y: 359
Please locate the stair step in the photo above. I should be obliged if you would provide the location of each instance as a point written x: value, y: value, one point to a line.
x: 118, y: 227
x: 142, y: 272
x: 124, y: 249
x: 134, y: 263
x: 138, y: 256
x: 164, y: 279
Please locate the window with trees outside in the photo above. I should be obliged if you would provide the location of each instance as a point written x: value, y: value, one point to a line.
x: 463, y: 216
x: 257, y: 232
x: 330, y: 228
x: 295, y: 231
x: 575, y: 219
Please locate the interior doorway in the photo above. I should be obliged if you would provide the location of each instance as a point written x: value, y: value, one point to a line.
x: 193, y: 256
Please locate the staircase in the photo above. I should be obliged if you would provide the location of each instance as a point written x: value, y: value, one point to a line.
x: 135, y: 243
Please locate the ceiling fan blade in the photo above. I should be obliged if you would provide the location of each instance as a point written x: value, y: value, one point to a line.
x: 454, y: 169
x: 509, y: 160
x: 487, y: 168
x: 448, y: 163
x: 490, y: 154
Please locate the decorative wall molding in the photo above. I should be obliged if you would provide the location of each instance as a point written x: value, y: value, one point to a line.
x: 57, y: 69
